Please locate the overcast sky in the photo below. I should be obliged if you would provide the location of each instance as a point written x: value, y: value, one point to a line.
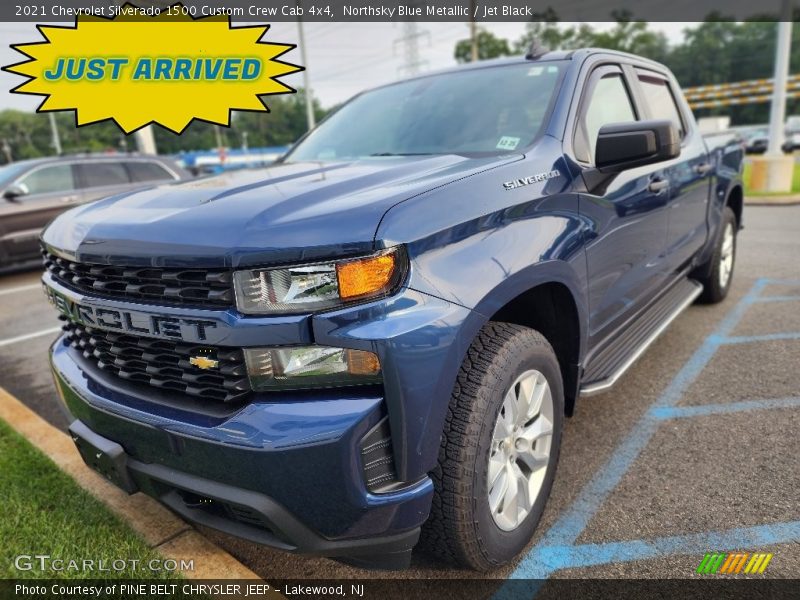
x: 342, y: 58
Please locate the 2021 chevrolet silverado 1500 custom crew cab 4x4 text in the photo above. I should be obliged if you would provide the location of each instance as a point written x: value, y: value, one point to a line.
x: 372, y: 345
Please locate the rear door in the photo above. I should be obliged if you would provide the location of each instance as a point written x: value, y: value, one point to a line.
x: 625, y: 252
x: 688, y: 176
x: 51, y: 189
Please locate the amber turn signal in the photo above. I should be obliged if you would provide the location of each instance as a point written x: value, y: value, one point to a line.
x: 365, y: 276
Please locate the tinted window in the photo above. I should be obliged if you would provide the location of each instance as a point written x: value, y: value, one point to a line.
x: 660, y: 100
x: 147, y: 171
x: 56, y: 178
x: 496, y: 109
x: 96, y: 174
x: 609, y: 103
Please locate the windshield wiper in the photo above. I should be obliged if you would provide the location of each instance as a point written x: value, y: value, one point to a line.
x: 403, y: 154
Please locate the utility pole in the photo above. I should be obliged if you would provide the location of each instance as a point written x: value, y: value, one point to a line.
x: 145, y: 140
x: 311, y: 121
x: 54, y: 131
x: 6, y: 148
x: 777, y: 113
x: 773, y: 172
x: 473, y: 33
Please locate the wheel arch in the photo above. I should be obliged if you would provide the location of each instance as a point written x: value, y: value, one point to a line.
x: 735, y: 199
x: 550, y: 309
x: 546, y: 297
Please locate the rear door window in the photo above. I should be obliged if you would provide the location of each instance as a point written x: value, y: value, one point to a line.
x: 660, y: 99
x: 102, y: 173
x: 148, y: 170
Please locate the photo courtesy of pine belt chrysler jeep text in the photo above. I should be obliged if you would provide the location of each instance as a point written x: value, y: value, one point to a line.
x: 372, y: 345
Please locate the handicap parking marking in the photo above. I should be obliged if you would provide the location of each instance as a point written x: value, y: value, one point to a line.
x: 554, y: 551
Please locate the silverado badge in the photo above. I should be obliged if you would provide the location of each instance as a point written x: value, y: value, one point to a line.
x: 203, y: 362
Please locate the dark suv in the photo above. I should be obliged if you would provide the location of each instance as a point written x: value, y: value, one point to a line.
x: 35, y: 191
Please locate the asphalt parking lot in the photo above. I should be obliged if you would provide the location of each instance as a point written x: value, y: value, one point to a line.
x: 694, y: 451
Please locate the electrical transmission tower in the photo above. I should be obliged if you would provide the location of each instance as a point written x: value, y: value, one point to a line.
x: 412, y: 34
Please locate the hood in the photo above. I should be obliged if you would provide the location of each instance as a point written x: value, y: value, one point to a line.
x: 289, y: 212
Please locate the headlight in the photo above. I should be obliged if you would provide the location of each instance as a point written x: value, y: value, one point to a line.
x: 318, y: 286
x: 309, y: 367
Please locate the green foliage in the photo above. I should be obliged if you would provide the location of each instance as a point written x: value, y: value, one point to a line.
x: 718, y: 50
x: 489, y: 46
x: 27, y: 135
x: 45, y: 512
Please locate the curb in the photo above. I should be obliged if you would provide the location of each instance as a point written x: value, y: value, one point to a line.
x: 791, y: 200
x: 162, y: 530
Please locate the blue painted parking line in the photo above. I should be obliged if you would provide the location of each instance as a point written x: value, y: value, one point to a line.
x: 777, y: 299
x: 664, y: 413
x: 768, y: 337
x: 588, y: 555
x: 554, y: 550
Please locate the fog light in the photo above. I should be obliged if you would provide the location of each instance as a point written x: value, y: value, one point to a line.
x: 310, y: 367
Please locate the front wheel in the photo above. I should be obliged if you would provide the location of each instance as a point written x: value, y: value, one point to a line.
x: 718, y: 281
x: 499, y: 449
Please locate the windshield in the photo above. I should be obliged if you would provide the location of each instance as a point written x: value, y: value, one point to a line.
x: 496, y: 109
x: 11, y: 171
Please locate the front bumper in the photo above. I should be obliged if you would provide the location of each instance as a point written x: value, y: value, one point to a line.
x: 261, y: 474
x: 292, y: 460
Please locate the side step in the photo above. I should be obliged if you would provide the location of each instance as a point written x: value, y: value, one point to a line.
x: 607, y: 366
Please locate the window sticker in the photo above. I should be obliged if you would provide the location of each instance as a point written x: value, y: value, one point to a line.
x: 507, y: 143
x: 535, y: 71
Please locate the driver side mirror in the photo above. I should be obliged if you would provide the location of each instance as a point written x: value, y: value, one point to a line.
x: 623, y: 146
x: 15, y: 191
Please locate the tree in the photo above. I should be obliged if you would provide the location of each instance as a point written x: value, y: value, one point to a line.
x: 28, y: 134
x: 489, y: 46
x: 626, y: 36
x: 554, y: 35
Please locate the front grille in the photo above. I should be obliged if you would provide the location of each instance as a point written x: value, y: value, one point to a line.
x: 198, y: 287
x: 163, y: 364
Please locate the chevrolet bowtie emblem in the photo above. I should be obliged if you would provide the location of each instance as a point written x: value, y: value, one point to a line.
x: 203, y: 362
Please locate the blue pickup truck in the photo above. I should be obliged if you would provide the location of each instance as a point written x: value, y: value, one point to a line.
x: 372, y: 345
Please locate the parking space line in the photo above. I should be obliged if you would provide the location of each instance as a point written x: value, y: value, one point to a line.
x: 778, y: 299
x: 664, y: 413
x: 587, y: 555
x: 28, y: 336
x: 539, y: 562
x: 768, y: 337
x: 21, y: 288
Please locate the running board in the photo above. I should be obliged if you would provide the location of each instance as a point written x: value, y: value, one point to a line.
x: 611, y: 363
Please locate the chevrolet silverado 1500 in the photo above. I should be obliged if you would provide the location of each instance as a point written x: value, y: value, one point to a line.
x: 372, y: 345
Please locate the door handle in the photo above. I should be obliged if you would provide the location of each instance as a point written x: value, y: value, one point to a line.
x: 69, y: 198
x: 658, y: 185
x: 702, y: 168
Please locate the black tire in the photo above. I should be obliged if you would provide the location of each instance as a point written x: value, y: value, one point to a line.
x: 461, y: 529
x: 713, y: 290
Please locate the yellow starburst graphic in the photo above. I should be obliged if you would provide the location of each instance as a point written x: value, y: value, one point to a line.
x: 167, y: 69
